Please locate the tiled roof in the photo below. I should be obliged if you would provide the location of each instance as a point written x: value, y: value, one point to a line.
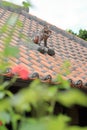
x: 65, y: 45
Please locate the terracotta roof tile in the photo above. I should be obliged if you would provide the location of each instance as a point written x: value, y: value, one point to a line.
x: 65, y: 45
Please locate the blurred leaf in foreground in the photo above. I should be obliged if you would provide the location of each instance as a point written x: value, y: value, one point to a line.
x: 3, y: 128
x: 32, y: 124
x: 71, y: 97
x: 64, y: 84
x: 4, y: 117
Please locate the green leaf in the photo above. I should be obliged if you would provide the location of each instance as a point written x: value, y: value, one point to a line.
x: 2, y: 94
x: 5, y: 117
x: 50, y: 93
x: 22, y: 100
x: 3, y: 128
x: 7, y: 92
x: 58, y: 123
x: 4, y: 85
x: 14, y: 119
x: 26, y: 4
x: 5, y: 104
x: 35, y: 83
x: 63, y: 83
x: 3, y: 66
x: 32, y: 124
x: 71, y: 97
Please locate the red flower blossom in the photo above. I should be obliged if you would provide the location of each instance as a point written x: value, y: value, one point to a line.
x: 21, y: 71
x: 1, y: 123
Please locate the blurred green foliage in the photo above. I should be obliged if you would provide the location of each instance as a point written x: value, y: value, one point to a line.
x: 82, y: 33
x: 37, y: 98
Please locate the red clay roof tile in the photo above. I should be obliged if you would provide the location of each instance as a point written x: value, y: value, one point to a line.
x: 65, y: 45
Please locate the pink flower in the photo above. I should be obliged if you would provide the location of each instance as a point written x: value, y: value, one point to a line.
x: 21, y: 71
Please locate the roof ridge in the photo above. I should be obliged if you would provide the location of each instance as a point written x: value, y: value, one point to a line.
x: 56, y: 29
x: 13, y: 8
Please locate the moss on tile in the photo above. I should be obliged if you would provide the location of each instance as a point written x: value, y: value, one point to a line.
x: 13, y: 6
x: 6, y: 3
